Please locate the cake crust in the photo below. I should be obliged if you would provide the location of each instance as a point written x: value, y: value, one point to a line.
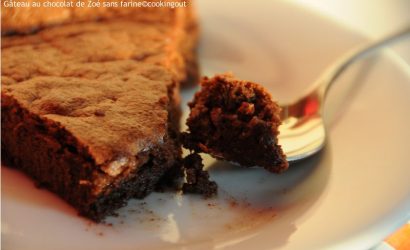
x: 180, y: 24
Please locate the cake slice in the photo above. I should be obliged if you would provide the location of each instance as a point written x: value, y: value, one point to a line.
x: 236, y: 121
x: 95, y: 143
x: 90, y: 110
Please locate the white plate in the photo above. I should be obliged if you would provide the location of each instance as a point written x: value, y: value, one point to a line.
x: 350, y: 196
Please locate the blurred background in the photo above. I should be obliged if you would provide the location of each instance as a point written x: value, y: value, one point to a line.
x: 374, y: 18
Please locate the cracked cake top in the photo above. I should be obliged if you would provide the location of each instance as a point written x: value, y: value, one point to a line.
x: 105, y: 82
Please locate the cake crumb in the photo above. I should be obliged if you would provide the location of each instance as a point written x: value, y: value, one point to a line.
x: 211, y: 205
x: 197, y: 179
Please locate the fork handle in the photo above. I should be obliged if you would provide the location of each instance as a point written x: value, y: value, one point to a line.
x: 325, y: 81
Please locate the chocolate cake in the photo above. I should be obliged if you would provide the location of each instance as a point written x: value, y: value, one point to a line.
x: 90, y: 109
x: 236, y: 121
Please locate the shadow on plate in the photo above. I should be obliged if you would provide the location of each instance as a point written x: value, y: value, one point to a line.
x: 265, y: 200
x: 19, y: 188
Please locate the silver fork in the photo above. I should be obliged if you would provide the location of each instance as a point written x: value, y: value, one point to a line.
x: 302, y: 132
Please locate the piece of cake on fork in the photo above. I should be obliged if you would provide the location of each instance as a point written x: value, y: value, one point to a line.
x: 237, y: 121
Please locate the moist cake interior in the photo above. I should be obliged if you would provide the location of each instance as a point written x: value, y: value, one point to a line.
x: 237, y: 121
